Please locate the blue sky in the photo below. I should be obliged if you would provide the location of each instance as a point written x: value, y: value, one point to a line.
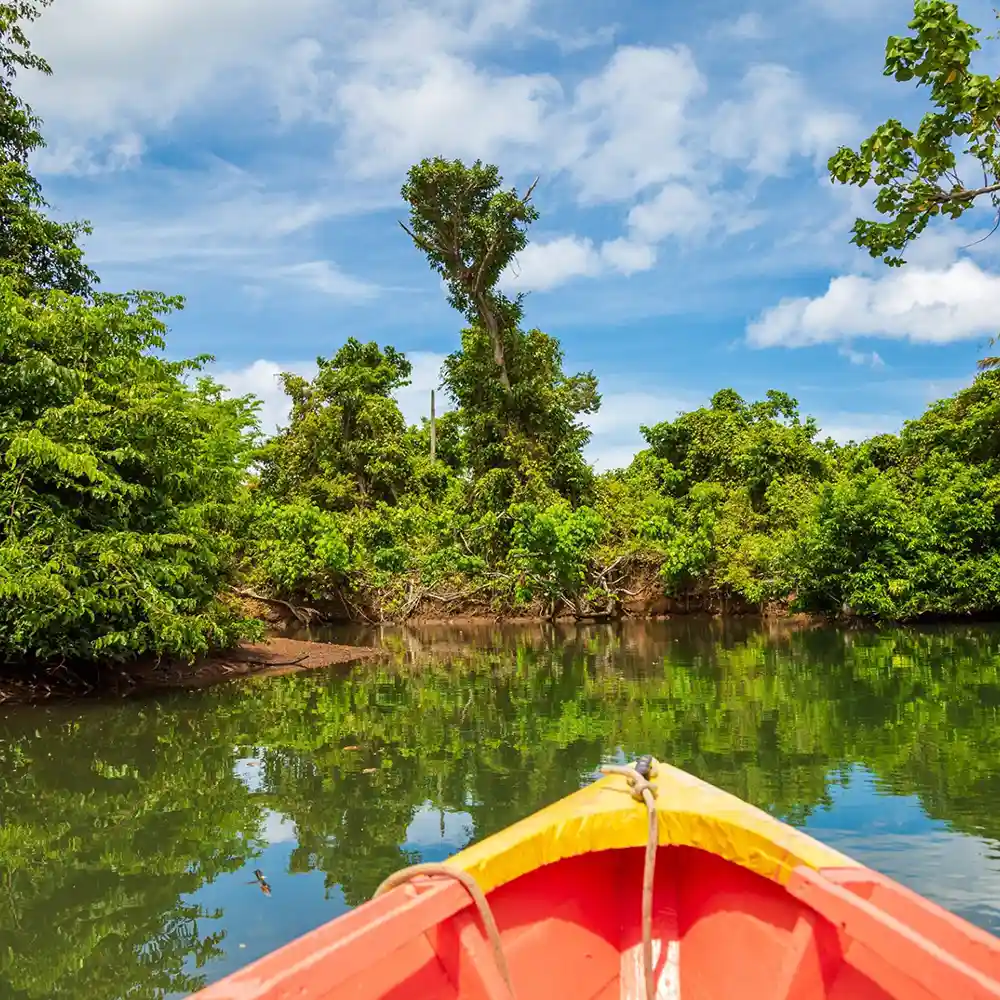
x: 248, y: 155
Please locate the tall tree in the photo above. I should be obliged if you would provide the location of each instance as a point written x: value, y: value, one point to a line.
x: 36, y: 252
x: 531, y: 435
x: 520, y: 410
x: 916, y: 173
x: 470, y: 229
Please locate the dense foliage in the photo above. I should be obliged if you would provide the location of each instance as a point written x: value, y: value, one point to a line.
x: 135, y: 493
x: 118, y: 479
x: 916, y: 173
x: 737, y: 505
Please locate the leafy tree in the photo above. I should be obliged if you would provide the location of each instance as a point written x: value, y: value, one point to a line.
x: 117, y: 477
x: 518, y: 407
x: 118, y: 483
x: 345, y: 444
x: 470, y: 230
x: 36, y: 253
x: 529, y: 440
x: 916, y: 173
x: 295, y: 548
x: 734, y: 442
x: 552, y: 550
x: 737, y: 479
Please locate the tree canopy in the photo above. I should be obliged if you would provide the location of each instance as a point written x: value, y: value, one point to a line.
x: 117, y: 476
x: 916, y: 172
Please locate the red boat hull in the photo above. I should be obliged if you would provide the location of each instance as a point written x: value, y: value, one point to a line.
x: 753, y: 918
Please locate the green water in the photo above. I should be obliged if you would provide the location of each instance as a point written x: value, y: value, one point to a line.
x: 129, y: 832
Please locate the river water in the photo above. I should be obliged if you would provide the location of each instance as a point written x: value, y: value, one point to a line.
x: 129, y: 832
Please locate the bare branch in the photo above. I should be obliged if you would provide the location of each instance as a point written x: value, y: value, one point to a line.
x: 423, y: 244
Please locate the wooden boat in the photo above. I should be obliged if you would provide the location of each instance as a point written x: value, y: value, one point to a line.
x: 737, y: 905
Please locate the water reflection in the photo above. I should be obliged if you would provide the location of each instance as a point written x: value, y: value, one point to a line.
x: 135, y: 829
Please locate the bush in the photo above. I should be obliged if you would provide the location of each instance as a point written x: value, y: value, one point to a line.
x: 118, y: 484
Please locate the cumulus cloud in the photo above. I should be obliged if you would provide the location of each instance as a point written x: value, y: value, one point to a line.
x: 389, y: 84
x: 121, y: 65
x: 628, y: 124
x: 676, y: 210
x: 921, y: 305
x: 628, y: 256
x: 261, y: 379
x: 543, y: 265
x: 774, y: 120
x: 450, y: 109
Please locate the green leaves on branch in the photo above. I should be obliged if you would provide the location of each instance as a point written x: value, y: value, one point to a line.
x: 344, y: 445
x: 295, y: 548
x: 917, y: 173
x: 36, y: 253
x: 552, y: 551
x: 470, y: 230
x: 117, y: 481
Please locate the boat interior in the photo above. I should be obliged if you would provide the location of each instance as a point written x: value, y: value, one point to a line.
x: 572, y: 930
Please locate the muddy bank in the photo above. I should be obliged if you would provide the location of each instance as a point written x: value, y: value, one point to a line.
x: 271, y: 658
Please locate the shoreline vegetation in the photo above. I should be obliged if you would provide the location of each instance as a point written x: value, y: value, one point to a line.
x: 148, y: 520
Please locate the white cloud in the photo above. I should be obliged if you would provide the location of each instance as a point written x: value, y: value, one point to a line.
x: 543, y: 265
x: 749, y: 26
x: 415, y: 399
x: 687, y: 214
x: 775, y: 120
x: 628, y: 126
x: 910, y: 303
x: 327, y: 278
x: 449, y: 109
x: 870, y: 359
x: 676, y: 210
x: 615, y: 426
x: 628, y: 256
x: 261, y: 379
x: 121, y: 65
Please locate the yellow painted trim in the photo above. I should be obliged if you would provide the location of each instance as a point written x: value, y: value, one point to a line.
x: 604, y: 815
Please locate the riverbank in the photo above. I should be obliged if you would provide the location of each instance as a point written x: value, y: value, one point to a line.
x: 275, y: 656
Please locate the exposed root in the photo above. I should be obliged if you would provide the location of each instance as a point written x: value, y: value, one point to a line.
x: 303, y: 615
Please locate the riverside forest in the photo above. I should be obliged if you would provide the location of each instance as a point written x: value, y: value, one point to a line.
x: 846, y: 678
x: 139, y: 497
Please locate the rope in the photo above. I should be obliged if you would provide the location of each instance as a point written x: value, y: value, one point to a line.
x: 638, y: 775
x: 405, y: 875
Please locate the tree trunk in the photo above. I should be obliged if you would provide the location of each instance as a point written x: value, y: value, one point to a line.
x: 493, y: 330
